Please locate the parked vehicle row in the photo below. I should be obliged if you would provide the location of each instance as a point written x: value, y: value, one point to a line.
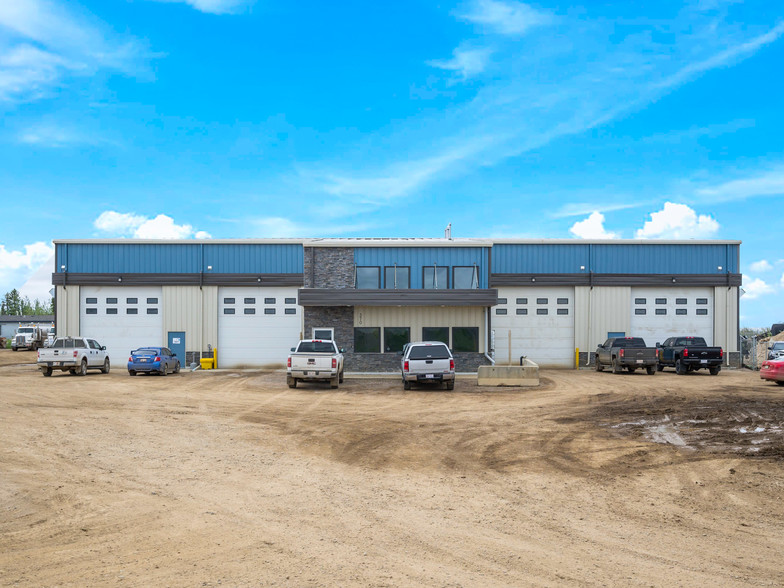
x: 685, y: 354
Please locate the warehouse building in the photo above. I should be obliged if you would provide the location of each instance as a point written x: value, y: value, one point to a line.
x: 490, y: 300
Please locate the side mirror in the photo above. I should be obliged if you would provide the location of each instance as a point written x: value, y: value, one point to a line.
x: 292, y: 349
x: 103, y: 348
x: 400, y: 353
x: 342, y: 350
x: 658, y: 345
x: 770, y: 346
x: 174, y: 355
x: 600, y: 346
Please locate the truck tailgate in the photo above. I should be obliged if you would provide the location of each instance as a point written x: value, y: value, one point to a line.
x: 428, y: 366
x: 311, y: 361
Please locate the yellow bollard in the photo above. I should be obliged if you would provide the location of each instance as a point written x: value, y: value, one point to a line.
x: 577, y: 358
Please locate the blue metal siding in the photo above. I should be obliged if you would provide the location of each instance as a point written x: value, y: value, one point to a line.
x: 621, y: 258
x: 540, y: 259
x: 177, y: 258
x: 417, y: 258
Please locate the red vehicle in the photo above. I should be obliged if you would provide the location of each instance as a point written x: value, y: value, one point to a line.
x: 773, y: 370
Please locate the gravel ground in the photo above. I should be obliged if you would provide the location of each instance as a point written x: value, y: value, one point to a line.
x: 233, y: 479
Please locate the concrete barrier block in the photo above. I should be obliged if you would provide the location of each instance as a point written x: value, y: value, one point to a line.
x: 509, y: 375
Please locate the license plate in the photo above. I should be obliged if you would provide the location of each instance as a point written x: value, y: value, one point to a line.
x: 703, y: 361
x: 639, y: 361
x: 142, y: 360
x: 429, y: 376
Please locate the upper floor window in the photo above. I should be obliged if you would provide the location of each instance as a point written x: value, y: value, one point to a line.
x: 434, y: 278
x: 465, y: 278
x: 397, y: 277
x: 368, y: 278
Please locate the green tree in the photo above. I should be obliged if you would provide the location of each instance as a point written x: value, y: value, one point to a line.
x: 15, y: 305
x: 12, y: 303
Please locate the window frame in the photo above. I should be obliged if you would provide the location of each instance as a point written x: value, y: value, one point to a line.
x: 454, y: 346
x: 426, y: 338
x: 384, y: 333
x: 377, y: 332
x: 475, y: 273
x: 356, y: 276
x: 435, y: 269
x: 395, y: 280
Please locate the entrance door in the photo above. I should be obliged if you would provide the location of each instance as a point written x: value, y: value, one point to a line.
x: 177, y: 345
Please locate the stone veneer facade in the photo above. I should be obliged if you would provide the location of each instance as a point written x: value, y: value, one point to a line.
x: 333, y: 268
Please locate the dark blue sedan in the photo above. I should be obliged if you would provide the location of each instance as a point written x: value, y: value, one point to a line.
x: 159, y: 360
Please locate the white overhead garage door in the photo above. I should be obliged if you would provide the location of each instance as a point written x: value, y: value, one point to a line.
x: 122, y: 318
x: 541, y: 323
x: 659, y: 313
x: 257, y: 326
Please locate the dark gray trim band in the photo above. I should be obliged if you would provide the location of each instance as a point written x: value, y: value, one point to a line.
x: 206, y: 279
x: 499, y: 280
x: 352, y: 297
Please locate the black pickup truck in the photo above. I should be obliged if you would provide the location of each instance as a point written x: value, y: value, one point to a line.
x: 687, y: 354
x: 626, y: 352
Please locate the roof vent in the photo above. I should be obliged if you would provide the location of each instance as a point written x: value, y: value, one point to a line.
x: 448, y: 232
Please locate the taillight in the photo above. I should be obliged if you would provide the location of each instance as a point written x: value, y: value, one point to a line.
x: 39, y: 355
x: 334, y: 363
x: 685, y: 352
x: 157, y: 358
x: 405, y: 366
x: 721, y: 353
x: 288, y: 364
x: 621, y: 354
x: 452, y: 364
x: 130, y: 360
x: 76, y: 353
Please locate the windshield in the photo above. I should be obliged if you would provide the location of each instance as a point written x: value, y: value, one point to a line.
x: 698, y: 341
x: 316, y: 347
x: 630, y: 342
x: 26, y: 330
x: 778, y: 346
x: 429, y: 352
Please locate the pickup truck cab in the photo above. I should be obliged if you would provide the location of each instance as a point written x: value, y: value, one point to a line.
x: 74, y: 354
x: 688, y: 354
x: 427, y: 362
x: 315, y: 360
x: 626, y: 352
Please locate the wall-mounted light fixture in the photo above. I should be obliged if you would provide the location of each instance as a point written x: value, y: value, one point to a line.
x: 720, y: 268
x: 209, y: 268
x: 533, y: 279
x: 582, y: 267
x: 62, y: 267
x: 119, y: 279
x: 673, y: 280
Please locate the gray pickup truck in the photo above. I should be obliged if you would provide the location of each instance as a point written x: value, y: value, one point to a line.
x: 626, y: 352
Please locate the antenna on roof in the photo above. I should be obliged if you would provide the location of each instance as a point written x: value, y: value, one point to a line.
x: 448, y: 232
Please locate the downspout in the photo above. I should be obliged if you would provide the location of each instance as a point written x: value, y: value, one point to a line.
x: 488, y: 349
x: 590, y: 301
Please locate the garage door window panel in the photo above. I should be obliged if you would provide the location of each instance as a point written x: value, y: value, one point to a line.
x: 367, y: 339
x: 395, y: 338
x: 465, y: 339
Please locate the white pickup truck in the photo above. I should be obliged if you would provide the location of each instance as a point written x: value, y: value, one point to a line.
x: 315, y: 359
x: 427, y: 362
x: 75, y: 354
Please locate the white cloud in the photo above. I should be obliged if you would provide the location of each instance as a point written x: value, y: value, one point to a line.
x: 754, y: 288
x: 123, y: 224
x: 55, y: 136
x: 678, y: 221
x: 592, y: 228
x: 761, y: 266
x: 215, y: 6
x: 465, y: 62
x: 16, y: 267
x: 769, y: 183
x: 506, y: 18
x: 46, y: 42
x: 781, y: 282
x: 39, y: 284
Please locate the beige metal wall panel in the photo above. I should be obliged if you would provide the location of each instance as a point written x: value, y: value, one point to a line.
x: 416, y: 317
x: 600, y: 311
x: 725, y: 318
x: 193, y: 310
x: 68, y: 311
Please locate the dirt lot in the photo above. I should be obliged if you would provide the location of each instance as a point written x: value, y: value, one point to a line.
x: 226, y: 478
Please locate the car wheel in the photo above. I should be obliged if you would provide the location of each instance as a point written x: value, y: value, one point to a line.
x: 83, y: 368
x: 680, y: 369
x: 292, y: 382
x: 450, y: 385
x: 14, y: 349
x: 599, y: 367
x: 651, y: 370
x: 131, y: 373
x: 106, y: 366
x: 340, y: 377
x: 165, y: 369
x: 177, y: 368
x: 47, y: 371
x: 616, y: 366
x: 333, y: 382
x: 780, y: 383
x: 406, y: 385
x: 714, y: 371
x: 659, y: 367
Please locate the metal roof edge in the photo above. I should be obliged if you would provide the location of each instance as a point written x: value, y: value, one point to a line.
x: 396, y: 242
x: 616, y: 242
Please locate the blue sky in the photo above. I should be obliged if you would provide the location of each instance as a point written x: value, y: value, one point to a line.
x: 232, y: 119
